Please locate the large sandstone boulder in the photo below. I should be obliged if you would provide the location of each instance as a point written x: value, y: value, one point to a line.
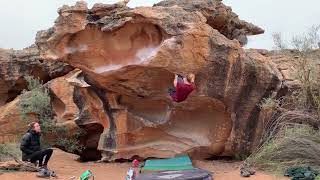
x: 129, y: 57
x: 108, y: 69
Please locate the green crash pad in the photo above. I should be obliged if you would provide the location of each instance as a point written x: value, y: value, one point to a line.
x: 177, y: 163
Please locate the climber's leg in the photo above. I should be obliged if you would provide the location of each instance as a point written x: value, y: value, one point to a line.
x: 171, y: 91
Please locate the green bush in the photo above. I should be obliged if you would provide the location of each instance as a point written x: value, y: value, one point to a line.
x: 37, y: 100
x: 69, y: 144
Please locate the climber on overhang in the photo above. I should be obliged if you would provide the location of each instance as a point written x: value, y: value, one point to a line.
x: 183, y: 86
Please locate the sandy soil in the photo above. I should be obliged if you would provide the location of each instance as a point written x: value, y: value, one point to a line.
x: 67, y: 168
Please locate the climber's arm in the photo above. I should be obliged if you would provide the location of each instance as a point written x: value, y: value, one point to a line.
x: 175, y: 81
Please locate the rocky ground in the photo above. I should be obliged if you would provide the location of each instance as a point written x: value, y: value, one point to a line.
x: 67, y: 168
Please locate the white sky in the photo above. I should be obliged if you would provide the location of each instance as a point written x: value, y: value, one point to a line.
x: 20, y: 20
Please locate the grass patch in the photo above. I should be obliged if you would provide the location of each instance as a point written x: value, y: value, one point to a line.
x: 8, y: 149
x: 293, y: 145
x: 270, y: 103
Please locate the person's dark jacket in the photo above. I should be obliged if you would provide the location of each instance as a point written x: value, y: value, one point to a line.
x: 30, y: 144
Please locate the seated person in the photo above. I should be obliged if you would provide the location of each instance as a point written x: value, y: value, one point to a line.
x: 30, y: 147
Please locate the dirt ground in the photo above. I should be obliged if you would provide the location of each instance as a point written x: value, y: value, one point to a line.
x: 67, y: 168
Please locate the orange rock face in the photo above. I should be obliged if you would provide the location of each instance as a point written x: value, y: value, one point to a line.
x: 11, y: 122
x: 126, y: 60
x: 16, y: 64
